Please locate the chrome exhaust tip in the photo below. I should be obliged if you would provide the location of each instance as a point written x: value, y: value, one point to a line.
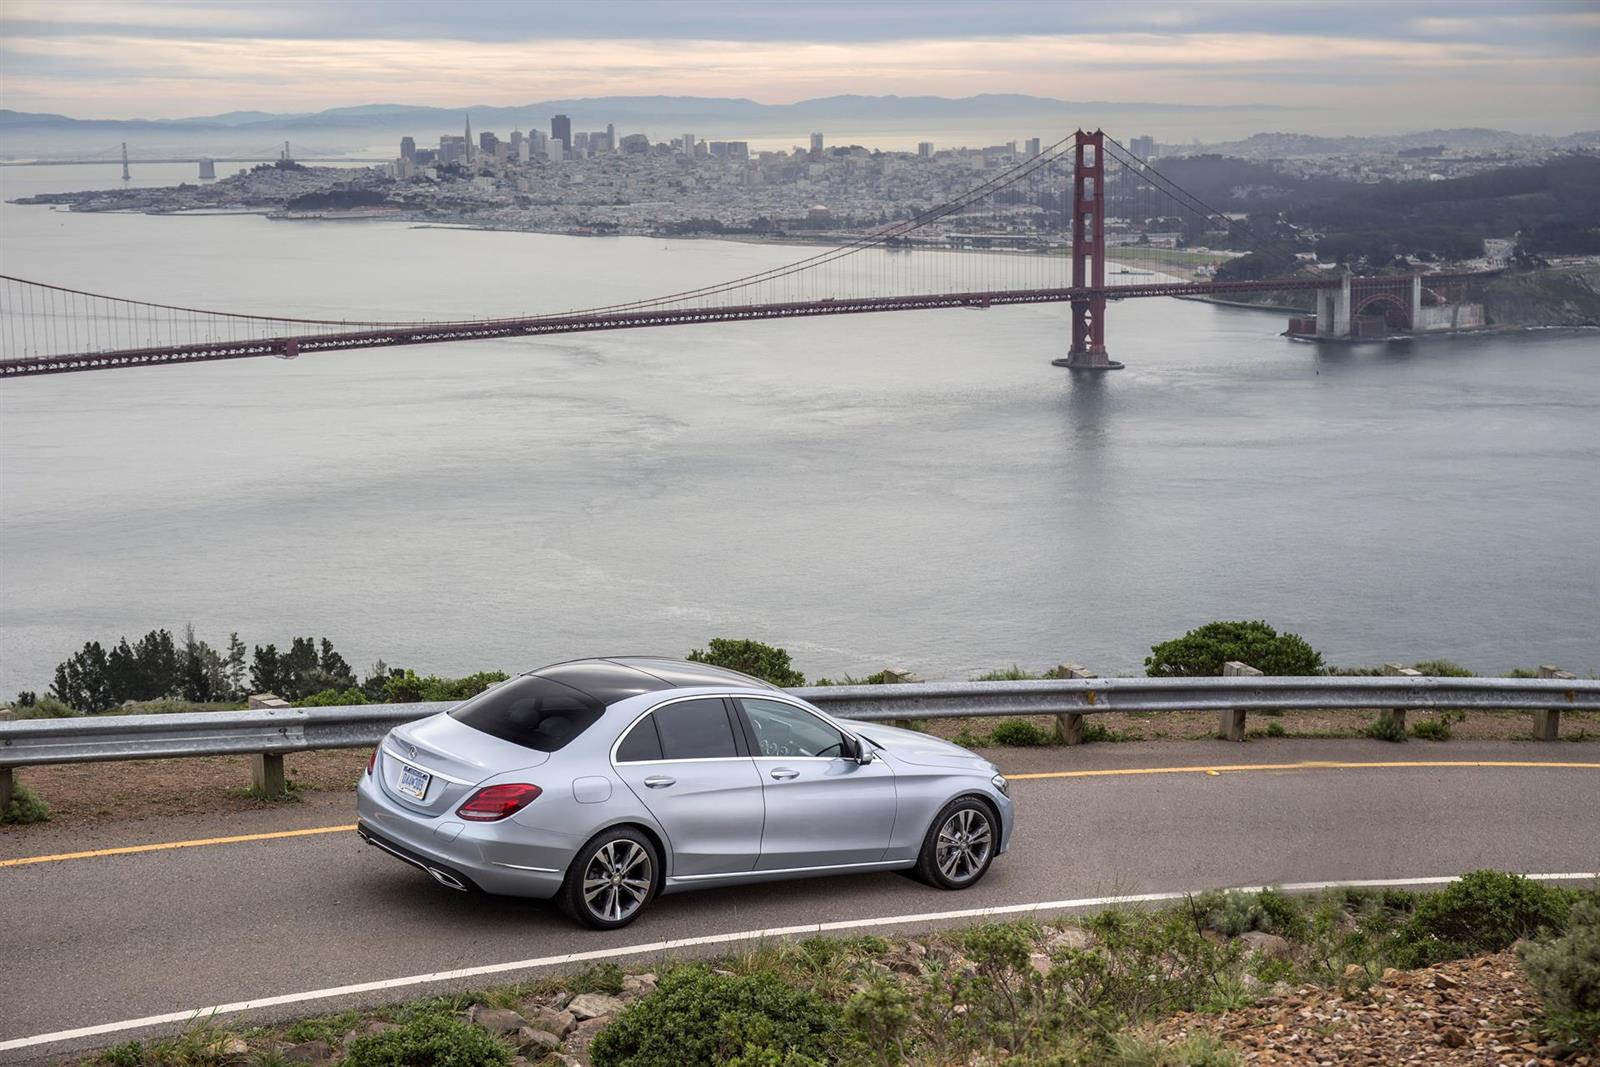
x: 446, y: 879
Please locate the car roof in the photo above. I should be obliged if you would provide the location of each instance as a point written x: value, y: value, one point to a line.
x: 609, y: 679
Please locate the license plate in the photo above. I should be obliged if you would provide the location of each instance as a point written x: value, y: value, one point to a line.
x: 413, y: 782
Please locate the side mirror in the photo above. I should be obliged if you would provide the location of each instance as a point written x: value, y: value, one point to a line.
x: 857, y: 750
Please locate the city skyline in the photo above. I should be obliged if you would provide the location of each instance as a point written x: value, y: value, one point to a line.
x: 1413, y: 68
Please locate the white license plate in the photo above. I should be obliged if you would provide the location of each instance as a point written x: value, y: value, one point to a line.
x: 414, y: 782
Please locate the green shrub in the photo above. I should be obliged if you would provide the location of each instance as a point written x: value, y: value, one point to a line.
x: 1442, y: 668
x: 25, y: 807
x: 1094, y: 733
x: 1012, y: 673
x: 1432, y: 730
x: 1139, y: 1050
x: 407, y: 687
x: 696, y: 1017
x: 1236, y: 911
x: 1275, y: 729
x: 881, y: 678
x: 127, y: 1054
x: 601, y: 978
x: 1020, y: 733
x: 1481, y: 912
x: 1522, y: 672
x: 428, y: 1041
x: 1383, y: 728
x: 332, y: 698
x: 46, y: 707
x: 749, y: 657
x: 1565, y: 973
x: 1202, y: 652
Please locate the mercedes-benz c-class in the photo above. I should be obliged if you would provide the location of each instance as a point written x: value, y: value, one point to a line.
x: 604, y: 783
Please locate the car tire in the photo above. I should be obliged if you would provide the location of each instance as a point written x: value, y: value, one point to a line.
x: 611, y: 880
x: 959, y: 846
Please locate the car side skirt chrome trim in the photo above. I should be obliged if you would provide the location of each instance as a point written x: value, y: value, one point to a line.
x: 520, y: 867
x: 693, y: 882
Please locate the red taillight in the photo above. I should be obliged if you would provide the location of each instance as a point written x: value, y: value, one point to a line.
x: 497, y: 801
x: 372, y: 761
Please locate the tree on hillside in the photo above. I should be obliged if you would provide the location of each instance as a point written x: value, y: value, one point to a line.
x: 1202, y: 652
x: 750, y: 657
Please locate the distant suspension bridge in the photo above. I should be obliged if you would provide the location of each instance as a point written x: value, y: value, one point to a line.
x: 1034, y: 232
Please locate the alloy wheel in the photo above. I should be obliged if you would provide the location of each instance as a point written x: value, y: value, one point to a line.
x: 963, y: 845
x: 618, y: 880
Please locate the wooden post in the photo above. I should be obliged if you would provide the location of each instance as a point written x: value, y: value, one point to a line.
x: 1230, y: 725
x: 1547, y: 721
x: 894, y: 677
x: 266, y: 768
x: 266, y: 773
x: 1069, y: 725
x: 1397, y: 715
x: 8, y: 785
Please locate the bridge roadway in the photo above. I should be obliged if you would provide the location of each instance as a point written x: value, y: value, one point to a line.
x: 628, y: 317
x: 111, y: 938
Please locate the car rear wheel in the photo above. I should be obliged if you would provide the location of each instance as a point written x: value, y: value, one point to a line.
x: 611, y: 879
x: 959, y: 846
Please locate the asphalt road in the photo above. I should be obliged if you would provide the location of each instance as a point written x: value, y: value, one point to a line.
x: 109, y: 938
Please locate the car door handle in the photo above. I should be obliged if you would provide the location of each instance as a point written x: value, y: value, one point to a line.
x: 659, y: 781
x: 783, y: 774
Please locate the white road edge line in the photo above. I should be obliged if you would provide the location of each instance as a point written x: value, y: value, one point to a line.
x: 713, y: 939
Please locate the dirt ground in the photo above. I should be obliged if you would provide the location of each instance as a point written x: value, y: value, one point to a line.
x: 91, y: 792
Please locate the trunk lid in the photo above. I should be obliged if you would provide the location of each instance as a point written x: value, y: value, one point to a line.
x: 455, y: 757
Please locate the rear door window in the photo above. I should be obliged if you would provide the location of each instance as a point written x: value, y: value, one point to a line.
x: 641, y: 744
x: 534, y: 712
x: 695, y: 729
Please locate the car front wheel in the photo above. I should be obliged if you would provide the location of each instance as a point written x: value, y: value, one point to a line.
x: 611, y: 879
x: 959, y: 846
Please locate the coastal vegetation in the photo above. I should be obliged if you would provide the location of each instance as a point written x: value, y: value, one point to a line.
x: 1493, y: 959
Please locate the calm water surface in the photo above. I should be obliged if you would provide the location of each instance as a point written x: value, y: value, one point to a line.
x: 920, y: 490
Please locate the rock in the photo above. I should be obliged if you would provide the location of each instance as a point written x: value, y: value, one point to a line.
x: 1452, y: 1038
x: 496, y: 1020
x: 233, y: 1046
x: 1444, y: 981
x: 372, y: 1026
x: 1271, y: 946
x: 549, y: 1020
x: 1354, y: 970
x: 307, y: 1052
x: 586, y: 1006
x: 579, y: 1040
x: 638, y: 984
x: 1073, y: 937
x: 535, y: 1044
x: 916, y: 949
x: 1041, y: 962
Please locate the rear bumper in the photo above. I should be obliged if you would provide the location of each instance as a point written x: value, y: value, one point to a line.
x: 504, y: 858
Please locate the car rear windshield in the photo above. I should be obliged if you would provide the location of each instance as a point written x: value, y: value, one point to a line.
x: 534, y: 712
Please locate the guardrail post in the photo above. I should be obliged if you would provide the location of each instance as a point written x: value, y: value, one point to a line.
x: 894, y: 677
x: 1397, y: 715
x: 266, y: 773
x: 1230, y: 725
x: 1069, y: 725
x: 8, y: 786
x: 1547, y: 721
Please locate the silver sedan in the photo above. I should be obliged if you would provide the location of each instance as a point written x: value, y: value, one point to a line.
x: 605, y: 782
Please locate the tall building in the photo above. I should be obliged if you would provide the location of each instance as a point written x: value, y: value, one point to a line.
x: 487, y: 143
x: 408, y: 148
x: 1143, y: 147
x: 635, y: 144
x: 580, y: 144
x: 561, y: 130
x: 611, y: 137
x: 816, y: 144
x: 1032, y: 147
x: 688, y: 145
x: 452, y: 149
x: 738, y: 149
x: 516, y: 147
x: 925, y: 149
x: 468, y: 139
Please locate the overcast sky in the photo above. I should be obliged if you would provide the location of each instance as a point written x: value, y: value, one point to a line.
x: 1521, y: 64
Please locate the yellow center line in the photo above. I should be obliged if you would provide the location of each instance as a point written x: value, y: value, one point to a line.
x: 130, y: 849
x: 1212, y: 769
x: 1304, y: 765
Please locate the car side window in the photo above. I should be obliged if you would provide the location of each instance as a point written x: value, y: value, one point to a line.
x: 695, y: 729
x: 784, y: 730
x: 642, y: 742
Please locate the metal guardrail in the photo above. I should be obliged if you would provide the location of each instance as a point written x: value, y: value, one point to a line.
x: 268, y: 734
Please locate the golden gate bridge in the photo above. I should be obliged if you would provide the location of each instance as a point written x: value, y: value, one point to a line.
x: 1036, y: 231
